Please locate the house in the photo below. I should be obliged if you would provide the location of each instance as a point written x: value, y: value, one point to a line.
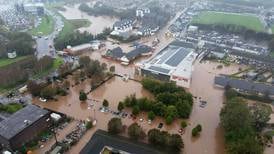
x: 12, y: 55
x: 139, y: 51
x: 101, y: 140
x: 22, y: 126
x: 35, y: 8
x: 123, y: 25
x: 126, y: 58
x: 141, y: 12
x: 192, y: 28
x: 115, y: 54
x: 245, y: 86
x: 148, y: 30
x: 96, y: 44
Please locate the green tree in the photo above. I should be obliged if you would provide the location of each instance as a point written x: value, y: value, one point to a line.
x: 183, y: 124
x: 260, y: 114
x: 115, y: 126
x: 151, y: 115
x: 105, y: 103
x: 48, y: 92
x: 175, y: 142
x: 112, y: 69
x: 82, y: 96
x: 135, y: 131
x: 135, y: 110
x: 169, y: 120
x: 120, y: 106
x: 196, y: 130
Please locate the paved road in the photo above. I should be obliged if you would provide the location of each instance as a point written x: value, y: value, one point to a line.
x: 43, y: 44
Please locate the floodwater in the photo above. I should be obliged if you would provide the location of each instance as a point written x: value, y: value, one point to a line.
x: 98, y: 24
x: 211, y: 140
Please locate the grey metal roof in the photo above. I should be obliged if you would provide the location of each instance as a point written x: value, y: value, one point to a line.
x: 176, y: 59
x: 115, y: 53
x: 244, y: 85
x: 13, y: 125
x: 138, y: 51
x: 101, y: 139
x: 159, y: 69
x: 182, y: 44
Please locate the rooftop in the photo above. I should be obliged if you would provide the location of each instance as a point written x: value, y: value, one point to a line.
x: 101, y: 139
x: 244, y: 85
x: 20, y: 120
x: 177, y: 58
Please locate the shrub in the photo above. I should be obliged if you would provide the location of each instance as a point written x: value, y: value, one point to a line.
x: 82, y: 96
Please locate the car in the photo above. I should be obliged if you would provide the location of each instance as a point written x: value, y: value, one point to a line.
x: 141, y: 120
x: 203, y: 104
x: 46, y: 38
x: 42, y: 99
x: 149, y: 121
x: 160, y: 125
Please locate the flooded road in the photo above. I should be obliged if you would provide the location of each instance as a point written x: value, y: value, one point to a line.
x: 98, y: 24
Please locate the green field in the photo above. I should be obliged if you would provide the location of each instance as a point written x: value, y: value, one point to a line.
x: 78, y: 23
x: 46, y: 26
x: 6, y: 61
x: 71, y: 25
x: 272, y: 29
x: 210, y: 18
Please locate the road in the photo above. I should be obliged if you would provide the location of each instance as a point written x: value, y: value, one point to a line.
x: 43, y: 43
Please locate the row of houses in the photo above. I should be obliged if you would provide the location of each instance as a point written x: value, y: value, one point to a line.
x: 245, y: 86
x: 126, y: 58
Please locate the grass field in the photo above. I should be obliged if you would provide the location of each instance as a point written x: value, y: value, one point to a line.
x: 6, y: 61
x: 272, y: 29
x: 46, y: 27
x: 71, y: 25
x: 78, y: 23
x: 208, y: 18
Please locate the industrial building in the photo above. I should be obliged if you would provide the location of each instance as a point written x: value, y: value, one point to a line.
x: 22, y: 126
x: 173, y: 63
x: 116, y: 144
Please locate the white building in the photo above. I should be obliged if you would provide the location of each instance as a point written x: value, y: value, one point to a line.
x: 123, y: 25
x: 141, y: 12
x: 174, y: 63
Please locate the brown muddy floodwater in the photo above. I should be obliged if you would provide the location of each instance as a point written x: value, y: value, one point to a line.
x: 211, y: 139
x: 98, y: 24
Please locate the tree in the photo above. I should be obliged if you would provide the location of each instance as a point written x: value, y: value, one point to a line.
x: 115, y: 126
x: 151, y: 115
x: 82, y: 96
x: 183, y: 124
x: 120, y: 106
x: 84, y: 61
x: 135, y: 110
x: 157, y: 137
x: 175, y: 142
x: 112, y: 69
x: 35, y: 88
x: 48, y: 92
x: 169, y: 120
x: 260, y: 114
x: 105, y: 103
x: 196, y: 130
x: 88, y: 125
x: 135, y: 131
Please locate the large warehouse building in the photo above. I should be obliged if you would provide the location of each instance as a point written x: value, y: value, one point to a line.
x: 23, y: 126
x: 173, y: 63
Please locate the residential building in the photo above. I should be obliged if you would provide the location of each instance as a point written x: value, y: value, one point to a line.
x: 126, y: 58
x: 148, y: 30
x: 123, y: 25
x: 173, y: 63
x: 245, y: 86
x: 141, y: 12
x: 22, y: 126
x: 35, y: 8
